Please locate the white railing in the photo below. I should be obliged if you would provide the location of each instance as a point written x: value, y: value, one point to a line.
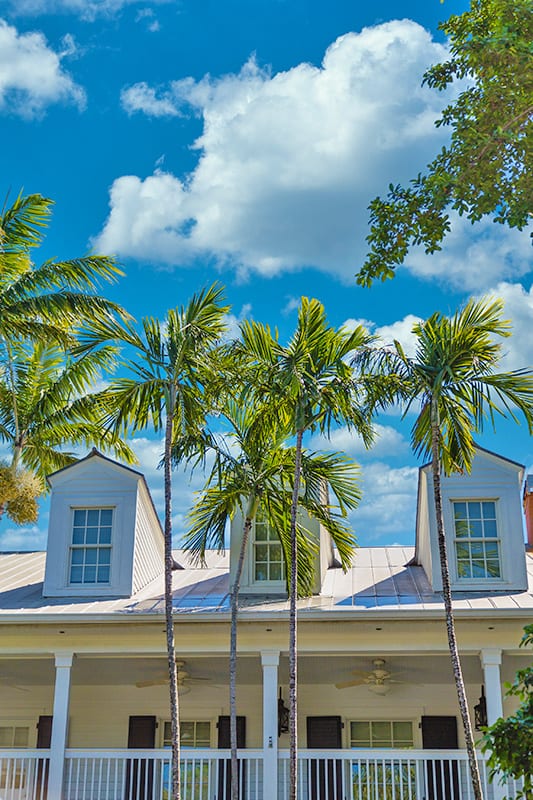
x: 23, y: 774
x: 386, y: 775
x: 145, y: 775
x: 322, y: 775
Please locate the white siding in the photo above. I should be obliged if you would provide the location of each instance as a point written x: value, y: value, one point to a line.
x: 149, y: 544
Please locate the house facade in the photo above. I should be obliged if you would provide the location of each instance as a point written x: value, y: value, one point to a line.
x: 83, y: 691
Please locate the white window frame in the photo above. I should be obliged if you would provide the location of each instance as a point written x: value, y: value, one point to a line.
x: 18, y: 723
x: 278, y: 583
x: 373, y: 721
x: 483, y: 540
x: 85, y: 546
x: 209, y: 721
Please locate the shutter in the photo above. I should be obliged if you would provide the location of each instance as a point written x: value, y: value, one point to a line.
x: 140, y: 771
x: 442, y: 776
x: 325, y: 775
x: 44, y: 740
x: 224, y: 767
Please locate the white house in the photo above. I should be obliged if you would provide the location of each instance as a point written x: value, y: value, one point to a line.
x: 83, y: 694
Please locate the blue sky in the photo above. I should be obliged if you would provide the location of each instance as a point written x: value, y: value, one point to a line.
x: 242, y: 140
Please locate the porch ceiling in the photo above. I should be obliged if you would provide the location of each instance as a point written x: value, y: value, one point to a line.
x: 409, y: 669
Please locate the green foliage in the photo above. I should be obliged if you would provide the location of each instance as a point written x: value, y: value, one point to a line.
x: 509, y: 741
x: 487, y: 168
x: 454, y: 369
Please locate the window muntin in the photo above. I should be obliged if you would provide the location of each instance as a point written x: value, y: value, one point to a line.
x: 193, y: 734
x: 477, y: 546
x: 381, y: 733
x: 269, y: 564
x: 90, y: 551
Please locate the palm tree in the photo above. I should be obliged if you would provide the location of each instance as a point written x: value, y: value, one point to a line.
x: 313, y: 377
x: 46, y: 405
x: 453, y: 377
x: 253, y: 472
x: 166, y: 393
x: 45, y: 303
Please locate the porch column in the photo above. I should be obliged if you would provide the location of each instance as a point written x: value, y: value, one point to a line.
x: 59, y: 724
x: 491, y: 660
x: 270, y: 662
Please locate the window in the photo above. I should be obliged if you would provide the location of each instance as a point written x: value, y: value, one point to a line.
x: 14, y: 736
x: 268, y: 554
x: 476, y: 539
x: 90, y: 552
x: 192, y: 734
x: 381, y: 733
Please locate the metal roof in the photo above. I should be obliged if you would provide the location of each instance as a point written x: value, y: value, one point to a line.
x: 382, y: 580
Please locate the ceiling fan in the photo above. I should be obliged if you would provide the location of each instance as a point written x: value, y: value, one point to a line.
x: 378, y: 680
x: 184, y: 679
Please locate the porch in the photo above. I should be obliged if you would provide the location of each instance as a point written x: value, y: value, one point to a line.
x: 371, y: 774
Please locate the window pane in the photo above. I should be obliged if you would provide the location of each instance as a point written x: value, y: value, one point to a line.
x: 187, y: 733
x: 476, y: 529
x: 261, y: 572
x: 463, y: 569
x: 477, y: 549
x: 89, y: 575
x: 105, y: 556
x: 360, y: 732
x: 478, y: 569
x: 93, y: 516
x: 76, y: 574
x: 461, y: 529
x: 77, y: 556
x: 6, y: 736
x: 489, y: 510
x: 91, y: 536
x: 103, y: 574
x: 275, y: 572
x: 20, y: 738
x: 203, y: 734
x: 474, y: 510
x: 381, y: 731
x: 491, y: 550
x: 79, y: 516
x: 78, y: 536
x: 90, y: 555
x: 460, y: 510
x: 105, y: 535
x: 493, y: 569
x: 490, y: 529
x: 403, y: 731
x: 261, y: 552
x: 106, y: 516
x: 261, y: 532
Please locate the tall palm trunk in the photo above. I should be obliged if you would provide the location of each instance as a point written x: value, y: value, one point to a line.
x: 293, y: 643
x: 169, y: 620
x: 252, y: 510
x: 448, y: 609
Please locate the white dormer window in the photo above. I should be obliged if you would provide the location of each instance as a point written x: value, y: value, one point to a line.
x: 268, y: 562
x: 90, y: 550
x: 477, y: 545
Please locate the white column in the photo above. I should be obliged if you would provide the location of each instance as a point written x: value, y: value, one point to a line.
x: 491, y: 660
x: 59, y: 724
x: 270, y: 662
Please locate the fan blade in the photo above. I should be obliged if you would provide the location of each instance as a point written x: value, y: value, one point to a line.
x: 346, y: 684
x: 145, y: 684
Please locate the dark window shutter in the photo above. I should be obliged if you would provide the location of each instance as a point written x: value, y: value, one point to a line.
x: 140, y: 771
x: 224, y: 732
x: 442, y: 776
x: 324, y: 732
x: 141, y: 732
x: 44, y: 740
x: 224, y: 767
x: 44, y: 732
x: 325, y: 775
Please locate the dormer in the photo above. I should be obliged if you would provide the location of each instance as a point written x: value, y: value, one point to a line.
x: 483, y: 526
x: 263, y: 569
x: 104, y: 536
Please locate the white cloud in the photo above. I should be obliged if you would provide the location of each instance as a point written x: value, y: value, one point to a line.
x: 23, y: 538
x: 401, y: 330
x: 518, y: 309
x: 86, y: 9
x: 287, y: 162
x: 388, y: 509
x: 141, y: 97
x: 389, y: 442
x: 473, y: 257
x: 31, y: 74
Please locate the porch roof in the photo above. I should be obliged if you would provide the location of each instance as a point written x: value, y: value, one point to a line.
x: 381, y: 581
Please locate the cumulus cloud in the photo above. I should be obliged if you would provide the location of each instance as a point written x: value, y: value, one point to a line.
x: 288, y: 161
x: 389, y: 442
x: 473, y: 257
x: 143, y: 98
x: 388, y: 509
x: 516, y: 351
x: 24, y: 538
x: 31, y: 74
x: 86, y: 9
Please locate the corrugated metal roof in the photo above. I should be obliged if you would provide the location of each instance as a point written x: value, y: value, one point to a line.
x: 381, y: 579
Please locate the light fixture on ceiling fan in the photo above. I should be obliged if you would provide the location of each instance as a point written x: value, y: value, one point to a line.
x: 378, y: 680
x: 184, y: 679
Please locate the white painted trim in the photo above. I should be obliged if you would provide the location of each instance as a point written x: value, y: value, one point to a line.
x: 63, y: 662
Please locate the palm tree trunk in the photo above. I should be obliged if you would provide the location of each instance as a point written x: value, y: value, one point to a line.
x: 448, y: 609
x: 252, y: 510
x: 293, y: 644
x: 169, y: 620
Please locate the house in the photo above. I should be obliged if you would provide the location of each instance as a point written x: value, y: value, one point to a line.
x: 83, y: 694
